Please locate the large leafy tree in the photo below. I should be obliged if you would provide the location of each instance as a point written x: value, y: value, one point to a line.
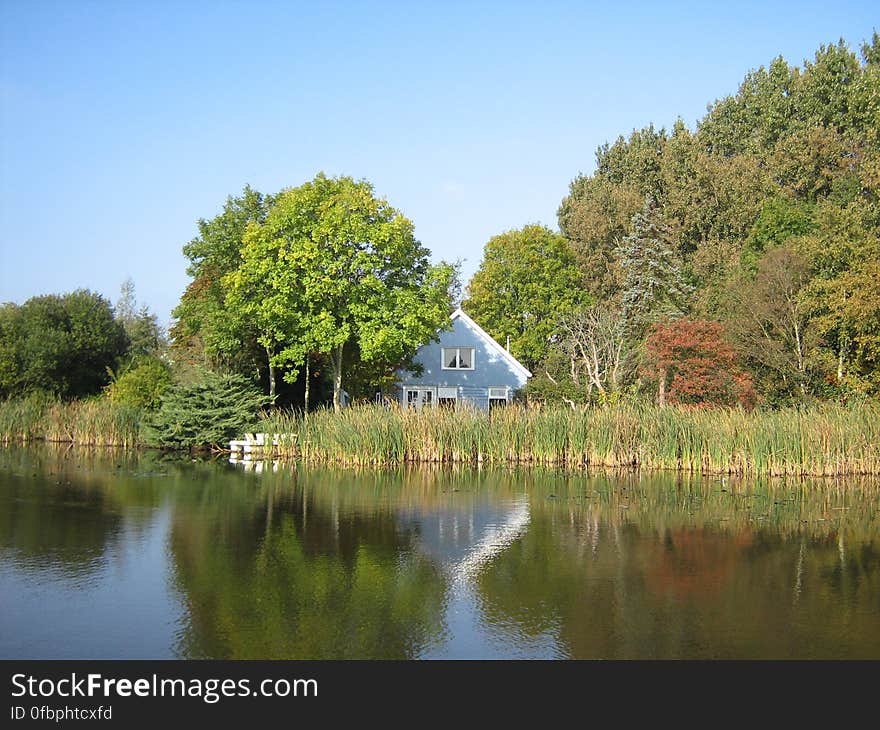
x: 842, y: 296
x: 755, y: 118
x: 207, y: 329
x: 768, y: 320
x: 9, y: 341
x: 593, y: 217
x: 334, y: 269
x: 526, y: 280
x: 636, y: 160
x: 62, y: 344
x: 710, y: 197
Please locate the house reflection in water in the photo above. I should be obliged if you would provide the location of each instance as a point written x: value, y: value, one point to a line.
x: 464, y: 539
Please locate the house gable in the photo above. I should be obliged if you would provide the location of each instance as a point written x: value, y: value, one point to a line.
x: 474, y: 362
x: 515, y: 364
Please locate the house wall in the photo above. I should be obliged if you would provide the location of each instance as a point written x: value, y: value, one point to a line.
x: 491, y: 368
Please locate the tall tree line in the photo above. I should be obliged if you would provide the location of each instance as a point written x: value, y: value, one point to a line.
x: 764, y: 219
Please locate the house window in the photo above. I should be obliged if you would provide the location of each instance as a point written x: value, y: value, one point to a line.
x: 498, y: 396
x: 447, y: 397
x: 458, y: 358
x: 419, y: 397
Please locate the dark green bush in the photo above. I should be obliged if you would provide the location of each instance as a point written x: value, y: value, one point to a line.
x: 207, y: 410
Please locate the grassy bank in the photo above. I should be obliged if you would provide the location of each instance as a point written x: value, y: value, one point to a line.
x: 828, y: 440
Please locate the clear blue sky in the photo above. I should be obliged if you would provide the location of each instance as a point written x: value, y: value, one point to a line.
x: 122, y: 123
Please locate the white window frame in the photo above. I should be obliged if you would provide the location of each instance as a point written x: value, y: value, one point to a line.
x: 424, y: 390
x: 490, y: 397
x: 458, y: 357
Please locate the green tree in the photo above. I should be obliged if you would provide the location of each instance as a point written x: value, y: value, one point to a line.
x: 141, y: 384
x: 816, y: 162
x: 770, y: 323
x: 823, y: 92
x: 841, y: 295
x: 635, y: 160
x: 710, y: 197
x: 62, y: 344
x: 207, y: 330
x: 756, y: 117
x: 790, y: 161
x: 204, y: 410
x: 334, y: 269
x: 594, y: 216
x: 654, y: 286
x: 9, y: 342
x: 780, y: 220
x: 526, y: 280
x: 871, y: 51
x: 145, y: 335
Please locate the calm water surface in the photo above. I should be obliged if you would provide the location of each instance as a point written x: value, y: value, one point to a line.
x: 142, y: 556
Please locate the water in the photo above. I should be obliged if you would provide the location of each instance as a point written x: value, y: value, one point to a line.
x: 113, y: 555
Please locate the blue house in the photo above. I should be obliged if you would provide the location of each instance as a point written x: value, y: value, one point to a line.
x: 465, y: 367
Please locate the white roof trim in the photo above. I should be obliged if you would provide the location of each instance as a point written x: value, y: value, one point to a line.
x: 516, y: 364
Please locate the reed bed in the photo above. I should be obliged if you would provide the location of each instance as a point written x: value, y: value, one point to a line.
x: 826, y: 440
x: 92, y: 422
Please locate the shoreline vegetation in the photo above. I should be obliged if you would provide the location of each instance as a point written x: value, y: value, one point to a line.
x: 824, y: 440
x: 710, y: 304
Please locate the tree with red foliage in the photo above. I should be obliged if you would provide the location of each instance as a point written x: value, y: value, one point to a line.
x: 693, y: 364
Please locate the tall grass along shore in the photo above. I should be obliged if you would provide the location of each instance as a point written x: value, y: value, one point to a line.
x: 91, y: 422
x: 826, y: 440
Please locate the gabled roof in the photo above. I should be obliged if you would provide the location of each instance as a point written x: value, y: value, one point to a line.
x: 514, y: 363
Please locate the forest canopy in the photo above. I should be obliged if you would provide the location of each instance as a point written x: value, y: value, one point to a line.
x: 763, y: 221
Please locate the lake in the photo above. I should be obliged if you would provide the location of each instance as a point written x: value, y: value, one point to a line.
x: 143, y: 555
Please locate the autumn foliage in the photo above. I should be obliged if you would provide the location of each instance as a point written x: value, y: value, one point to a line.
x: 693, y: 364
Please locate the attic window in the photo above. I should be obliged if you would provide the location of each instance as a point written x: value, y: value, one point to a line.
x: 458, y: 358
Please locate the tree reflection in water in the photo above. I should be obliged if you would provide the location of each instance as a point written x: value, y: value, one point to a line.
x: 202, y: 559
